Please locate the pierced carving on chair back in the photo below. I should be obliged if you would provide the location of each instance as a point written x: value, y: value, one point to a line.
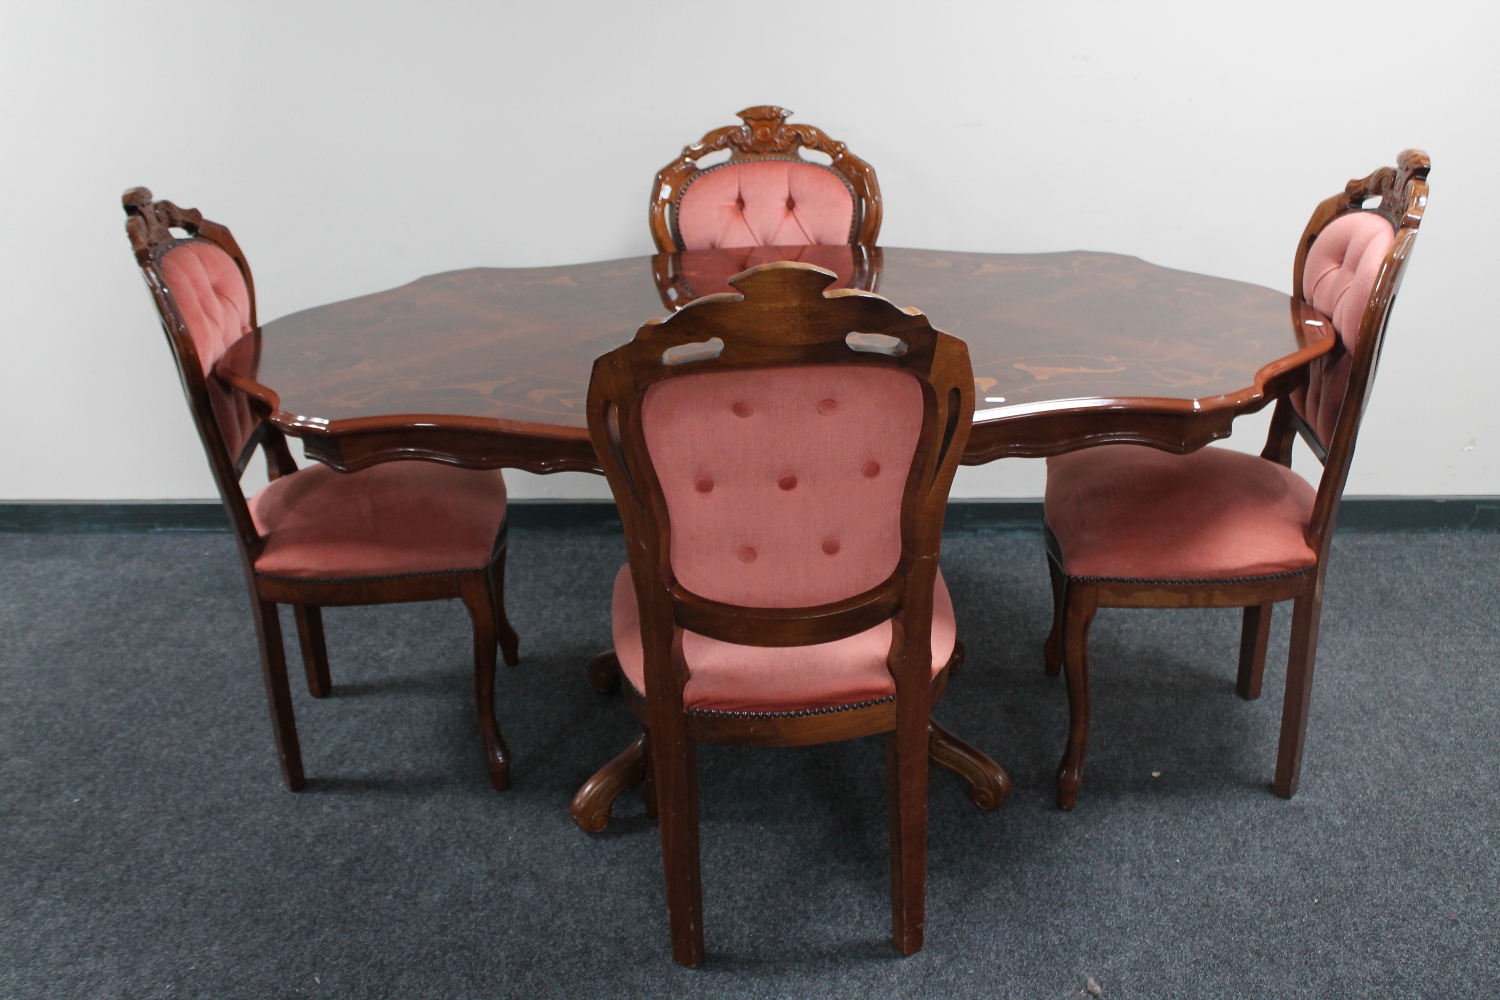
x: 1402, y: 202
x: 765, y: 134
x: 149, y: 225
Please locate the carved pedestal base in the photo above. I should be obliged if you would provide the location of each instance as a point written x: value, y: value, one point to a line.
x: 989, y: 785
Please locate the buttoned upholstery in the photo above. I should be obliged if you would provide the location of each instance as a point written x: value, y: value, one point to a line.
x: 392, y: 519
x: 783, y: 489
x: 1128, y: 512
x: 765, y: 203
x: 1341, y: 269
x: 211, y: 295
x: 784, y: 486
x: 725, y: 677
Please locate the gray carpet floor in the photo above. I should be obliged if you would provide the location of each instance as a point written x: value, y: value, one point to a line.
x: 148, y: 848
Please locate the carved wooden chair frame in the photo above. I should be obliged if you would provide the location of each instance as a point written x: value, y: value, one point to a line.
x: 1402, y: 194
x: 782, y: 316
x: 765, y: 135
x: 149, y: 225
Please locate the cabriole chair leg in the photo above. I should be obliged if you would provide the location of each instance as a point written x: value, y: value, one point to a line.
x: 480, y: 603
x: 1254, y: 635
x: 1052, y: 652
x: 279, y: 694
x: 1081, y: 604
x: 510, y: 643
x: 314, y: 648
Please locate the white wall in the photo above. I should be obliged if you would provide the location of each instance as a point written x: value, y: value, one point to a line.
x: 353, y: 147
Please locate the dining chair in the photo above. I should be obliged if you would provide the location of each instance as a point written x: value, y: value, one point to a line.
x: 767, y: 193
x: 315, y: 538
x: 781, y: 457
x: 1132, y: 527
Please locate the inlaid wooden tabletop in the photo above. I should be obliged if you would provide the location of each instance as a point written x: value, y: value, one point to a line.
x: 490, y: 366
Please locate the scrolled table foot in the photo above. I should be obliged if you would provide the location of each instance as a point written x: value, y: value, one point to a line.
x: 604, y: 672
x: 989, y: 785
x: 591, y: 806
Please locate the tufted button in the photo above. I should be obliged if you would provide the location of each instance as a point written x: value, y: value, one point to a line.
x: 831, y: 546
x: 787, y: 482
x: 704, y: 485
x: 739, y: 203
x: 871, y: 470
x: 747, y: 554
x: 743, y: 409
x: 828, y: 407
x: 790, y: 204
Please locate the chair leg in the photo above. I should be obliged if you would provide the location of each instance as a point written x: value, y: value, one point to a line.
x: 314, y: 649
x: 591, y: 806
x: 906, y: 800
x: 1081, y: 603
x: 604, y: 672
x: 1254, y: 635
x: 675, y: 763
x: 1299, y: 676
x: 648, y: 783
x: 510, y: 643
x: 989, y: 785
x: 1052, y: 652
x: 475, y: 591
x: 279, y: 693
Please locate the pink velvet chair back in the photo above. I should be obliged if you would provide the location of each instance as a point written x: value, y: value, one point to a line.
x: 784, y: 485
x: 1349, y: 266
x: 1338, y: 280
x: 205, y: 296
x: 214, y: 302
x: 766, y: 193
x: 781, y: 456
x: 765, y: 203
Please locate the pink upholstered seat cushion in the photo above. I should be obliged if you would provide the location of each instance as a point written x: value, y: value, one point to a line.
x: 765, y: 203
x: 1135, y: 513
x: 784, y: 485
x: 210, y: 293
x: 391, y: 519
x: 730, y: 678
x: 1337, y: 280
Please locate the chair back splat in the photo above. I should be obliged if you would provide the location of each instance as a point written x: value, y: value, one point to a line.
x: 1349, y: 265
x: 205, y: 295
x: 674, y: 420
x: 781, y: 456
x: 766, y: 193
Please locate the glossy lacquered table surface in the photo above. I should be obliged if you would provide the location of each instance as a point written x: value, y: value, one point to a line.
x: 489, y: 367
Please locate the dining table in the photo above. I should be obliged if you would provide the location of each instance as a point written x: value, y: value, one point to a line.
x: 489, y: 367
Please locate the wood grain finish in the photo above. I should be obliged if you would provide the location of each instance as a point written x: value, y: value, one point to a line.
x: 1402, y: 194
x: 763, y: 135
x: 489, y: 367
